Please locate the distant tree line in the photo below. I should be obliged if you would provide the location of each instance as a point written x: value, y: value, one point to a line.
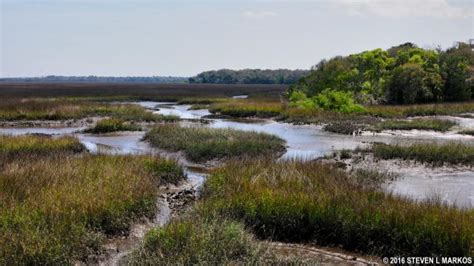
x: 97, y: 79
x: 403, y: 74
x: 249, y: 76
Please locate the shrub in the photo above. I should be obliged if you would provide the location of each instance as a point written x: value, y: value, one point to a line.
x: 337, y: 101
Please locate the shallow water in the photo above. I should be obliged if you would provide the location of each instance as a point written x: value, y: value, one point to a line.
x: 453, y: 187
x: 303, y: 141
x: 310, y: 141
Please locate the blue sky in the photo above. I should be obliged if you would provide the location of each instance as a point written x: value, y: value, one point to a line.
x: 182, y: 38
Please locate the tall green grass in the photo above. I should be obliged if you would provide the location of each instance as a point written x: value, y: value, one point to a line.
x: 58, y: 209
x: 434, y: 153
x: 420, y: 124
x: 202, y: 144
x: 313, y: 202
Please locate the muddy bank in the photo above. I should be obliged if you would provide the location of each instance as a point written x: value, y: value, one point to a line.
x: 452, y: 184
x: 315, y: 255
x: 171, y: 202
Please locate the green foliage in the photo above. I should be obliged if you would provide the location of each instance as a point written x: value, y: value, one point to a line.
x: 404, y: 74
x: 202, y: 144
x: 328, y: 99
x: 314, y: 202
x: 407, y: 85
x: 450, y: 153
x: 337, y: 101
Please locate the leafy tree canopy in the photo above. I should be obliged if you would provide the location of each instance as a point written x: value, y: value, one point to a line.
x: 403, y: 74
x: 249, y: 76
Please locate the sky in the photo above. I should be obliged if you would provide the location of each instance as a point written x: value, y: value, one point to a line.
x: 184, y: 37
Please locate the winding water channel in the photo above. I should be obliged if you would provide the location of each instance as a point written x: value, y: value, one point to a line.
x: 453, y: 185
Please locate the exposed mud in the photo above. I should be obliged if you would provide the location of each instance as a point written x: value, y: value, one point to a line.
x: 452, y: 184
x: 315, y: 255
x: 171, y: 202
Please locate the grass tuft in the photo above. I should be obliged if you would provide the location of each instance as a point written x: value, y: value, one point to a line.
x: 202, y: 144
x: 198, y: 240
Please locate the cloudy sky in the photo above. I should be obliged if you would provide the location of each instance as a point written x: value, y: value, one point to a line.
x: 182, y: 38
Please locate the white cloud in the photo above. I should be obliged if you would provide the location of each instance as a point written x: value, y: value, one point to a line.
x: 405, y: 8
x: 259, y: 14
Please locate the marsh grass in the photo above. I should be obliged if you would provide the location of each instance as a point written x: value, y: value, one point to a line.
x: 346, y: 128
x: 467, y: 132
x: 21, y: 146
x: 432, y: 153
x: 248, y: 108
x: 63, y: 109
x: 58, y: 208
x: 202, y: 101
x: 112, y: 125
x: 420, y: 124
x: 403, y: 111
x: 373, y: 112
x: 312, y: 202
x: 201, y: 144
x: 196, y: 239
